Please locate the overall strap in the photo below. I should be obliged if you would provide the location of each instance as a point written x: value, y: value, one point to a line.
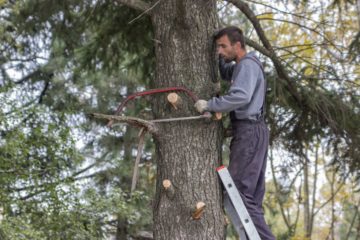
x: 263, y: 110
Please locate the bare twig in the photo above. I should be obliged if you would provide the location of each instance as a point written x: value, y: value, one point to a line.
x: 297, y: 24
x: 353, y: 219
x: 293, y: 53
x: 135, y: 4
x: 144, y: 12
x: 330, y: 198
x: 300, y: 45
x: 137, y: 160
x: 285, y: 12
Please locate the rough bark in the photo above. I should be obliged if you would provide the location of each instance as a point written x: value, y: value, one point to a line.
x: 188, y: 152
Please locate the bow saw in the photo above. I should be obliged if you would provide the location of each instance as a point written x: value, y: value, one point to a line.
x: 162, y: 90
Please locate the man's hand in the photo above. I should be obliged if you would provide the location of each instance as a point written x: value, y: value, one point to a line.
x: 201, y: 106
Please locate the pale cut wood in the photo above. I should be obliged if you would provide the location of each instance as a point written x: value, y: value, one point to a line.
x: 166, y: 184
x: 174, y: 99
x: 169, y: 189
x: 200, y: 206
x: 218, y: 116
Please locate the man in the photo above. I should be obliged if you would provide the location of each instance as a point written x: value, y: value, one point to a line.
x: 246, y: 103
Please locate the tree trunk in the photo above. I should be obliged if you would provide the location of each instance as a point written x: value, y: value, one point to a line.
x: 121, y: 228
x: 307, y: 222
x: 333, y: 218
x: 187, y: 152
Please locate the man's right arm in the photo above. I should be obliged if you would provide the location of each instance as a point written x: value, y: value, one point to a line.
x: 226, y: 69
x: 240, y: 92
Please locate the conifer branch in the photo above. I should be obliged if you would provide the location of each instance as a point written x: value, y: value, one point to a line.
x: 244, y: 8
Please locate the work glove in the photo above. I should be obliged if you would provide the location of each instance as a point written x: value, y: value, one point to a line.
x: 201, y: 106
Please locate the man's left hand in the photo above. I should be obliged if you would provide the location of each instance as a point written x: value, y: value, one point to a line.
x: 201, y: 106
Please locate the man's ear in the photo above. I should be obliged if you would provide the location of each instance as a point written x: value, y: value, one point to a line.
x: 238, y: 45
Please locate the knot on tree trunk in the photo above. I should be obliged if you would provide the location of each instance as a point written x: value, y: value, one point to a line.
x: 169, y: 189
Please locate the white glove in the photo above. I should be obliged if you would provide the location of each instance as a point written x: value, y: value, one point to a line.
x: 201, y: 106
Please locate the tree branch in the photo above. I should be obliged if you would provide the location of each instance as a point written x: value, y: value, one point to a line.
x: 297, y: 24
x: 277, y: 191
x: 294, y: 53
x: 258, y: 47
x: 136, y: 122
x: 353, y: 219
x: 266, y: 52
x: 43, y: 92
x: 28, y: 77
x: 330, y: 198
x: 284, y: 12
x: 32, y: 194
x: 69, y: 178
x: 244, y: 8
x: 301, y: 45
x: 145, y: 12
x: 281, y: 129
x: 135, y: 4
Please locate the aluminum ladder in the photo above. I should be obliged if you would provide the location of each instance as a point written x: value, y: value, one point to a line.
x: 235, y: 208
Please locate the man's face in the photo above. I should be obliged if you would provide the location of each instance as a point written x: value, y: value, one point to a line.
x: 225, y: 49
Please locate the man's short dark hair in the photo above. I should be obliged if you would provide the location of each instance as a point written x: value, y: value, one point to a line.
x: 234, y: 34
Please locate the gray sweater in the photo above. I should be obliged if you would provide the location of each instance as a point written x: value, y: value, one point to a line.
x: 246, y: 94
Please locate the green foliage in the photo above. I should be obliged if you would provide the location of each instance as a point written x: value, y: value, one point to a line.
x: 60, y: 61
x: 73, y: 218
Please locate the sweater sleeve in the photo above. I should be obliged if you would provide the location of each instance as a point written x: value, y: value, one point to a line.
x: 241, y: 91
x: 226, y: 69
